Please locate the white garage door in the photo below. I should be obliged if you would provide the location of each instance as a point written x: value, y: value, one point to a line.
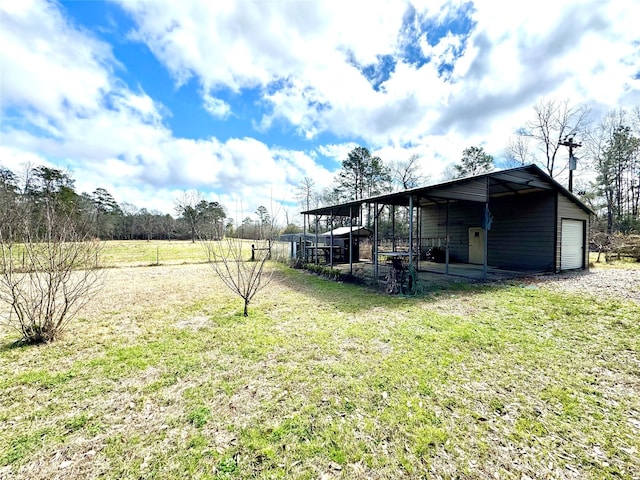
x: 572, y: 253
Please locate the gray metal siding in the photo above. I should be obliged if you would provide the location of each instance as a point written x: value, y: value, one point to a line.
x: 462, y: 216
x: 474, y: 190
x: 522, y: 233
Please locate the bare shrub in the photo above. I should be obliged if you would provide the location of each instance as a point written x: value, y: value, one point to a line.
x: 243, y: 273
x: 48, y: 272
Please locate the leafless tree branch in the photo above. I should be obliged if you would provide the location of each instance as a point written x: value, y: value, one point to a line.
x: 48, y: 273
x: 232, y: 262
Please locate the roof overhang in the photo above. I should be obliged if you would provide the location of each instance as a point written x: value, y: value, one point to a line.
x: 479, y: 188
x: 357, y: 231
x: 349, y: 209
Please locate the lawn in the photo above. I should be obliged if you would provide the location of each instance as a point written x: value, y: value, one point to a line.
x: 166, y: 252
x: 161, y: 377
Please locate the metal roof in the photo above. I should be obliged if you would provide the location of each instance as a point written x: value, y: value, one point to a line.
x: 344, y: 231
x: 479, y: 188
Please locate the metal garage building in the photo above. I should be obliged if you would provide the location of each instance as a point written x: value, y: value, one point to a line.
x: 517, y: 219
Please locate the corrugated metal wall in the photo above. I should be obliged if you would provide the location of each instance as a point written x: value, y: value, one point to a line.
x: 462, y: 216
x: 474, y: 190
x: 522, y: 233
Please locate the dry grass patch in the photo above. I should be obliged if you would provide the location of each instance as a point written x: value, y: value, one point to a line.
x: 164, y: 378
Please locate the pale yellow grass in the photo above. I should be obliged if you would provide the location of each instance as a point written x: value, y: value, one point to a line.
x: 133, y: 303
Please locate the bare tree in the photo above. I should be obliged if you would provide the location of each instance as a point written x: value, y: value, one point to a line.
x: 186, y: 206
x: 553, y: 121
x: 407, y: 174
x: 306, y: 194
x: 48, y: 272
x: 240, y: 267
x: 518, y: 149
x: 448, y: 173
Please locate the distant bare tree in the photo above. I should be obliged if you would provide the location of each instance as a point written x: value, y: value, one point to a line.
x: 306, y: 194
x: 186, y: 206
x: 518, y: 149
x: 231, y: 261
x: 552, y: 122
x: 406, y: 174
x: 448, y: 173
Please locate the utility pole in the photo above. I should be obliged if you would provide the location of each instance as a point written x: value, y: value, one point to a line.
x: 568, y: 142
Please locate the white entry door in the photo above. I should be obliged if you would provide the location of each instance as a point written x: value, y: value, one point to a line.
x: 572, y: 246
x: 476, y: 245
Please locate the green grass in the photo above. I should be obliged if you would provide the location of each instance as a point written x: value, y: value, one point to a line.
x: 165, y: 252
x: 326, y: 380
x: 621, y: 263
x: 152, y: 252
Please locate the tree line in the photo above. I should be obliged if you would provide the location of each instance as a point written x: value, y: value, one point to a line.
x: 96, y: 214
x: 99, y: 215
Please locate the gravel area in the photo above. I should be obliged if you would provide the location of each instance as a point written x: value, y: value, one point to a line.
x: 623, y: 284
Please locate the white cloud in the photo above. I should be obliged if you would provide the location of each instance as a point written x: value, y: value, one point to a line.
x: 248, y: 43
x: 303, y: 59
x: 47, y: 65
x: 109, y: 136
x: 338, y: 152
x: 216, y: 107
x: 300, y: 53
x: 519, y: 53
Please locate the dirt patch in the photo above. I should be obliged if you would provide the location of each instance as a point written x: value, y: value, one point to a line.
x: 193, y: 323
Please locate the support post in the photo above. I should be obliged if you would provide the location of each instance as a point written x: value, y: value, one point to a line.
x: 351, y: 240
x: 486, y: 233
x: 418, y: 236
x: 486, y: 241
x: 303, y: 242
x: 316, y: 249
x: 374, y: 247
x: 331, y: 240
x: 446, y: 242
x: 410, y: 229
x: 393, y: 228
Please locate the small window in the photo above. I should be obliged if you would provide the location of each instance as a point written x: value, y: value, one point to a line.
x: 477, y: 234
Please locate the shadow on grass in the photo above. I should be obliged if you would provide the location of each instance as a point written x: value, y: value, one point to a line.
x: 348, y: 288
x: 15, y: 345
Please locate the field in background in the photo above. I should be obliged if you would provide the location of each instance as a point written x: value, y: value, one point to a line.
x: 167, y: 252
x: 162, y: 377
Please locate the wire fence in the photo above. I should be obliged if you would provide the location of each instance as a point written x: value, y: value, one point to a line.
x: 140, y: 253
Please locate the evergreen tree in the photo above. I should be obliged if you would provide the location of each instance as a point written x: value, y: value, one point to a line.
x: 362, y: 175
x: 475, y: 161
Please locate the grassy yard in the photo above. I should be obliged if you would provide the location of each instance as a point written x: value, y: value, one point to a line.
x: 163, y: 378
x: 166, y: 252
x: 122, y: 253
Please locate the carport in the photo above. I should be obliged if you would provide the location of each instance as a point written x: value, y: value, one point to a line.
x: 517, y: 219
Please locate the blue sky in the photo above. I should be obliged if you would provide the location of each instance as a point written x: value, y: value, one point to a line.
x: 242, y: 100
